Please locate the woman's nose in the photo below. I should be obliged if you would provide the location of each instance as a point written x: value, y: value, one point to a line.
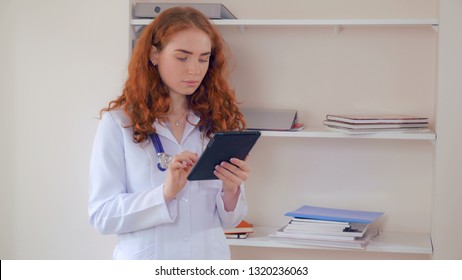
x: 193, y: 68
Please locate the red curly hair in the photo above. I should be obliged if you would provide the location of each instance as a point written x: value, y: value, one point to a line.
x: 145, y: 98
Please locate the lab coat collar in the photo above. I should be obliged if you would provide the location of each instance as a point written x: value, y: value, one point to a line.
x: 163, y: 130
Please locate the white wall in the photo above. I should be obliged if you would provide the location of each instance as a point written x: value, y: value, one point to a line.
x: 447, y: 224
x: 7, y: 141
x: 62, y: 61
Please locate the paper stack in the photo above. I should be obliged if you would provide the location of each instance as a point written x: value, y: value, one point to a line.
x: 329, y: 227
x: 354, y: 124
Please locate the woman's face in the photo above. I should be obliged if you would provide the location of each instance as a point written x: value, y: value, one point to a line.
x: 184, y: 60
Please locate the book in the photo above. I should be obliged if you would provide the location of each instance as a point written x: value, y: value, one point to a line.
x: 242, y: 227
x: 317, y: 236
x: 378, y: 118
x: 318, y: 227
x: 351, y: 131
x: 354, y: 230
x: 358, y: 243
x: 314, y: 222
x: 360, y: 126
x: 335, y: 214
x: 237, y: 235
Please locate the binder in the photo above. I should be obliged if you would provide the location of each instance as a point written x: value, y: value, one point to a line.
x: 210, y: 10
x: 334, y: 214
x: 269, y: 119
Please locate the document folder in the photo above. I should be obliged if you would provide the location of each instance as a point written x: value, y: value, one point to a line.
x: 210, y: 10
x: 269, y: 119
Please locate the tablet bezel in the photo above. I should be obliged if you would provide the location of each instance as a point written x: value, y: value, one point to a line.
x: 222, y: 147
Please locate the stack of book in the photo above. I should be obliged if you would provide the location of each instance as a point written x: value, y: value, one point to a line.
x: 376, y: 123
x: 329, y: 227
x: 242, y: 230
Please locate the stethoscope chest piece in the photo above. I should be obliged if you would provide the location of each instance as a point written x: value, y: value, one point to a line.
x: 164, y: 158
x: 164, y: 161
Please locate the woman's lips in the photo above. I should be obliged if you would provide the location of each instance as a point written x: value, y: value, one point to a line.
x: 191, y: 83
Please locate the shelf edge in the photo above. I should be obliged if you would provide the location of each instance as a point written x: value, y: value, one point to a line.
x: 320, y: 132
x: 312, y: 22
x: 386, y: 242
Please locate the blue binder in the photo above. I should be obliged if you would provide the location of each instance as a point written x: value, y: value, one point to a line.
x: 333, y: 214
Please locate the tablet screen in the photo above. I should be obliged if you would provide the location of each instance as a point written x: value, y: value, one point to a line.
x: 222, y: 147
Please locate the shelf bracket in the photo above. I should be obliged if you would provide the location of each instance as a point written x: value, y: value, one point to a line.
x: 337, y: 29
x: 435, y: 27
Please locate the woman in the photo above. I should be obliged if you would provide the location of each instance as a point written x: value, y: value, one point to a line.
x: 176, y: 89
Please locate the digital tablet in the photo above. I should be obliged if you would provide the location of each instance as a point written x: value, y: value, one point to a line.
x: 222, y: 147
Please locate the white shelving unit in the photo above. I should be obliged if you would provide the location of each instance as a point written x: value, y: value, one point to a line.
x: 319, y: 131
x: 386, y: 242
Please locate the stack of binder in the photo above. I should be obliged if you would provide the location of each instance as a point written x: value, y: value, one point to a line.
x: 329, y: 227
x: 376, y: 123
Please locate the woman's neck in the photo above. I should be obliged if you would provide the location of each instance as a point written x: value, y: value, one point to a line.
x: 178, y: 105
x: 177, y: 116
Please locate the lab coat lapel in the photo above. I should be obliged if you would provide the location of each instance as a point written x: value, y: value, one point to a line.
x: 162, y: 130
x: 191, y: 124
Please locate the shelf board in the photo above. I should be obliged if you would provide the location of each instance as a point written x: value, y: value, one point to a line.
x: 313, y: 22
x: 386, y: 242
x: 323, y: 132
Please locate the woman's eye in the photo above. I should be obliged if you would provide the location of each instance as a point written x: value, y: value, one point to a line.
x: 182, y: 58
x: 204, y: 59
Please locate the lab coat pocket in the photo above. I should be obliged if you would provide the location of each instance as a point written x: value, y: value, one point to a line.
x: 206, y: 197
x: 147, y: 253
x: 211, y: 188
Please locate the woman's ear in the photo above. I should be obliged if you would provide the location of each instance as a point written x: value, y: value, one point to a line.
x: 154, y: 57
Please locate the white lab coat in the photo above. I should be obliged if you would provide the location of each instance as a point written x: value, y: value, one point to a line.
x: 126, y: 197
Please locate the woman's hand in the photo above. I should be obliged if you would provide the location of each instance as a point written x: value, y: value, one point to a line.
x: 177, y: 173
x: 232, y: 175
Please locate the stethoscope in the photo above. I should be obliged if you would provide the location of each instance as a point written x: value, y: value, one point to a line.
x: 164, y: 158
